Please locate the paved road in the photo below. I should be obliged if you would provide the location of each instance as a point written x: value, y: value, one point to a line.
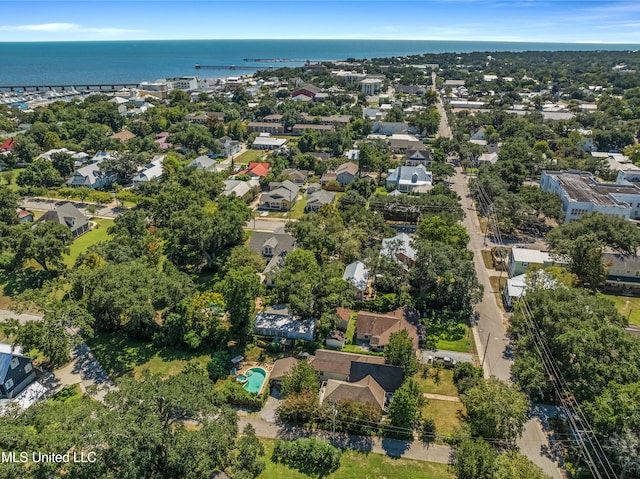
x: 390, y: 447
x: 266, y: 224
x: 443, y: 130
x: 490, y: 333
x: 490, y: 330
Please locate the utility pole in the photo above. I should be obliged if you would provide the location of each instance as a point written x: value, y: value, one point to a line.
x: 333, y: 429
x: 486, y: 346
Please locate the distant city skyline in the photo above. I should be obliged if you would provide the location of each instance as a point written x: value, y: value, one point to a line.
x: 480, y: 20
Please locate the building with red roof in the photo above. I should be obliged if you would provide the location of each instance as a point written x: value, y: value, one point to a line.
x: 256, y: 170
x: 8, y: 144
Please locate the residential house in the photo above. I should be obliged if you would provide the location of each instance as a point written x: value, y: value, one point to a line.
x: 521, y: 259
x: 205, y: 163
x: 320, y: 155
x: 162, y: 140
x: 8, y: 145
x: 273, y: 244
x: 357, y: 275
x: 277, y: 322
x: 375, y: 329
x: 400, y: 143
x: 346, y: 173
x: 299, y: 177
x: 228, y: 146
x: 389, y: 377
x: 337, y: 365
x: 399, y: 248
x: 24, y: 216
x: 91, y: 175
x: 150, y: 171
x: 318, y: 199
x: 406, y: 179
x: 280, y: 369
x: 328, y: 177
x: 16, y: 373
x: 352, y: 155
x: 367, y: 390
x: 266, y: 142
x: 68, y: 215
x: 281, y: 198
x: 389, y: 128
x: 307, y: 90
x: 581, y: 193
x: 623, y: 273
x: 255, y: 170
x: 418, y: 157
x: 247, y: 190
x: 487, y: 159
x: 516, y: 287
x: 123, y: 136
x: 313, y: 187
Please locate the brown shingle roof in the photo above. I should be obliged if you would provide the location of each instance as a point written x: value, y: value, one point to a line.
x: 340, y: 363
x: 380, y: 326
x: 366, y: 390
x: 281, y: 367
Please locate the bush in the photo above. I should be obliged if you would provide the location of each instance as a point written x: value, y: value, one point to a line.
x: 218, y: 367
x: 466, y: 375
x: 308, y: 455
x: 428, y: 429
x: 232, y: 392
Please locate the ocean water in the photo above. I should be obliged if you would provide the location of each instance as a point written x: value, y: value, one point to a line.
x: 64, y: 63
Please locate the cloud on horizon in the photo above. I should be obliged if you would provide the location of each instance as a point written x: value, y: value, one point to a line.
x: 65, y: 28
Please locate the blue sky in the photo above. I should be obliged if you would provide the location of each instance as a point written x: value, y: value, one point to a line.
x: 502, y: 20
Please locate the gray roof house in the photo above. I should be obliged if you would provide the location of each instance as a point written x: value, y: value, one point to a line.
x: 271, y: 244
x: 203, y: 162
x: 418, y: 157
x: 400, y: 248
x: 318, y: 199
x: 277, y: 321
x: 357, y: 274
x: 92, y: 176
x: 346, y: 173
x: 69, y: 216
x: 16, y: 373
x: 410, y: 179
x: 388, y: 376
x: 281, y: 197
x: 242, y: 189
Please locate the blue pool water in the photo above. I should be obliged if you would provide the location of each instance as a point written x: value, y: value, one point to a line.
x: 255, y: 378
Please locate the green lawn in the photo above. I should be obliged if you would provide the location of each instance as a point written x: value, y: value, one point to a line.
x: 451, y: 336
x: 358, y: 465
x: 81, y: 244
x: 120, y: 355
x: 628, y: 306
x: 351, y: 329
x: 352, y: 348
x: 443, y: 386
x: 298, y: 208
x: 446, y: 415
x: 249, y: 156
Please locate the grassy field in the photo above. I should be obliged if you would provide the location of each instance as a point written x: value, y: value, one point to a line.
x: 358, y: 465
x: 120, y: 355
x: 444, y: 386
x: 249, y: 156
x: 446, y: 415
x: 451, y: 336
x: 351, y: 328
x: 486, y: 258
x: 81, y: 244
x: 628, y: 306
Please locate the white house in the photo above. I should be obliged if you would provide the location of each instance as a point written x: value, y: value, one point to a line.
x: 400, y: 248
x: 369, y: 86
x: 203, y: 162
x: 91, y: 175
x: 357, y: 274
x: 581, y: 193
x: 410, y: 179
x: 278, y: 322
x: 151, y: 171
x: 265, y: 142
x: 521, y: 259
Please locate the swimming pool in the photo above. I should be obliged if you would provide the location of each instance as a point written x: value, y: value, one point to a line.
x: 255, y: 378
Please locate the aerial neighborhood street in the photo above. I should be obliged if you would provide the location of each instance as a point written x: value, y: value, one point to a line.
x: 410, y: 263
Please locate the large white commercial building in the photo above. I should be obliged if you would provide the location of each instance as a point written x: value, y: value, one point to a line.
x: 581, y: 193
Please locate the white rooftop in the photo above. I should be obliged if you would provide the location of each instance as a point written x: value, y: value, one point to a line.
x: 526, y: 255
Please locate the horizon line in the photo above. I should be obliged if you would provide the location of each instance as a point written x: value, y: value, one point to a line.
x: 574, y: 42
